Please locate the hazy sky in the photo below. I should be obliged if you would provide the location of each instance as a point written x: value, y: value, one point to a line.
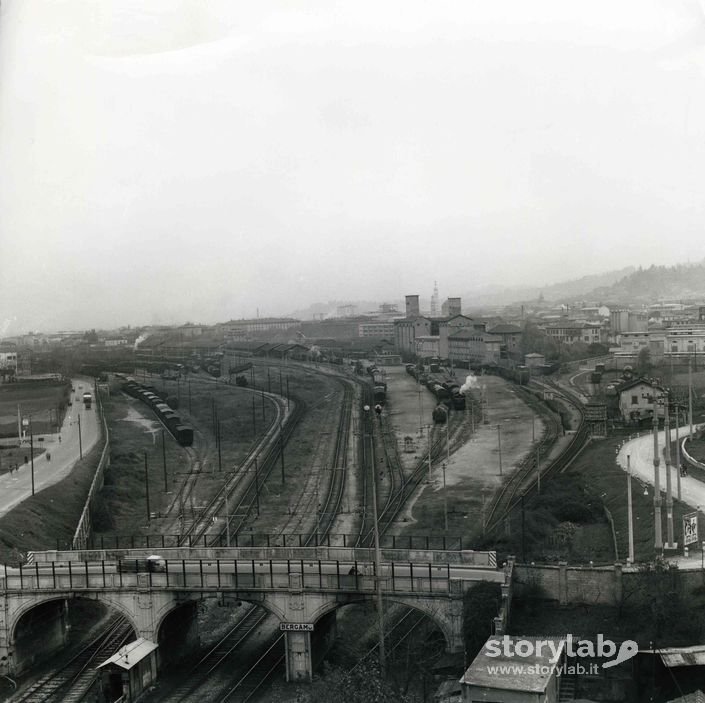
x: 177, y: 160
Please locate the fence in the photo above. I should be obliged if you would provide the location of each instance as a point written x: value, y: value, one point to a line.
x: 83, y: 530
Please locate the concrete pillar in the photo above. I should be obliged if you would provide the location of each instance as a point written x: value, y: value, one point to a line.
x: 563, y: 582
x: 299, y: 664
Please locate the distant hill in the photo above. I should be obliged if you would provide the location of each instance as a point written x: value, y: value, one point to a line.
x: 683, y: 281
x: 566, y: 290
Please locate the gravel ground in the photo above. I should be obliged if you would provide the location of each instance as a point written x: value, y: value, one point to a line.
x: 472, y: 473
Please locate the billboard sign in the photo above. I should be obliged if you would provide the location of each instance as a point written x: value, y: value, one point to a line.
x: 690, y: 528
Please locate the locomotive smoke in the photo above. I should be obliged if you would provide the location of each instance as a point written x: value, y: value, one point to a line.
x: 470, y: 382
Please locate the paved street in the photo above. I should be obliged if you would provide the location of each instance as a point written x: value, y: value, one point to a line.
x: 16, y: 486
x: 641, y: 458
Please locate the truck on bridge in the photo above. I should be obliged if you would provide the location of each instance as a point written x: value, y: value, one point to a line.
x: 87, y: 400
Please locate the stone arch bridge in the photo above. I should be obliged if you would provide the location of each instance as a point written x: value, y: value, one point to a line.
x: 302, y: 587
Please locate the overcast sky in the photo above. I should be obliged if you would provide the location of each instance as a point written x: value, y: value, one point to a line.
x: 197, y: 160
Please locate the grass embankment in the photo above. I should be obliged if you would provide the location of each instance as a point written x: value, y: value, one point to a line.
x: 136, y: 434
x: 49, y: 518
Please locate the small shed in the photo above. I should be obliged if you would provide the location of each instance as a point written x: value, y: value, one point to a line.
x: 129, y: 672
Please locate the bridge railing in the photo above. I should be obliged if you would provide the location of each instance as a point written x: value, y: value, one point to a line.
x: 469, y: 558
x: 238, y: 575
x: 264, y: 539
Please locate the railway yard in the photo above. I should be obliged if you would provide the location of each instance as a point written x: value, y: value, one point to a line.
x: 293, y: 458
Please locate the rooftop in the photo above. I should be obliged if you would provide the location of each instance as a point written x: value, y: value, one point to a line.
x: 129, y: 655
x: 482, y: 671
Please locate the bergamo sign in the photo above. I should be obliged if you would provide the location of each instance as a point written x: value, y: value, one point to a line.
x: 690, y: 528
x: 296, y: 626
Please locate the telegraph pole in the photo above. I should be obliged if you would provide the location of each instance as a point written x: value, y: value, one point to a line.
x: 690, y: 399
x: 678, y: 452
x: 499, y: 447
x: 164, y: 461
x: 31, y: 450
x: 80, y: 443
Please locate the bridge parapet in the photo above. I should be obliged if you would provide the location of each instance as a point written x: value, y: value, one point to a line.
x: 251, y: 574
x: 481, y: 559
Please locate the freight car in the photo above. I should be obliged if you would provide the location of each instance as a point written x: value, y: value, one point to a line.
x: 181, y: 432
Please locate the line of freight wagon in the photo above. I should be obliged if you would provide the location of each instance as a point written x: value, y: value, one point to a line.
x: 148, y: 394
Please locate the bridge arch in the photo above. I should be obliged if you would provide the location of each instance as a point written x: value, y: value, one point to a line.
x: 21, y: 610
x: 439, y: 613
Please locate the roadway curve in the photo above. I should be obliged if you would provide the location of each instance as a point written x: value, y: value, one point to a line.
x: 641, y: 459
x: 17, y: 486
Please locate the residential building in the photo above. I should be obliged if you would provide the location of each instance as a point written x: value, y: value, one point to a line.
x: 636, y: 399
x: 570, y: 332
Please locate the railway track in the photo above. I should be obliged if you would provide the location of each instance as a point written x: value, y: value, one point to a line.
x: 261, y: 667
x: 71, y: 682
x: 198, y: 674
x: 524, y: 480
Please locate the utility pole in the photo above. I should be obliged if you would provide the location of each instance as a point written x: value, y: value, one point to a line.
x: 690, y: 400
x: 227, y: 516
x: 287, y: 392
x: 499, y: 447
x: 146, y: 487
x: 630, y: 517
x: 445, y: 500
x: 31, y: 450
x: 164, y: 461
x: 281, y: 449
x: 254, y: 417
x: 189, y: 395
x: 80, y: 443
x: 220, y: 465
x: 257, y: 485
x: 429, y: 453
x: 378, y: 553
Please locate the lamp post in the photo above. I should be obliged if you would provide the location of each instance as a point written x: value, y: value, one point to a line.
x: 667, y: 457
x: 378, y: 553
x: 658, y: 539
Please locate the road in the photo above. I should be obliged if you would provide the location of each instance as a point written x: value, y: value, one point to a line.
x: 17, y: 486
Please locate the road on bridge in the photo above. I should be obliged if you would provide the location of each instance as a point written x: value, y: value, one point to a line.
x: 17, y: 486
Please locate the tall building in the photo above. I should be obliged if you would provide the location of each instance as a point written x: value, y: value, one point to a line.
x: 434, y: 300
x: 412, y: 306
